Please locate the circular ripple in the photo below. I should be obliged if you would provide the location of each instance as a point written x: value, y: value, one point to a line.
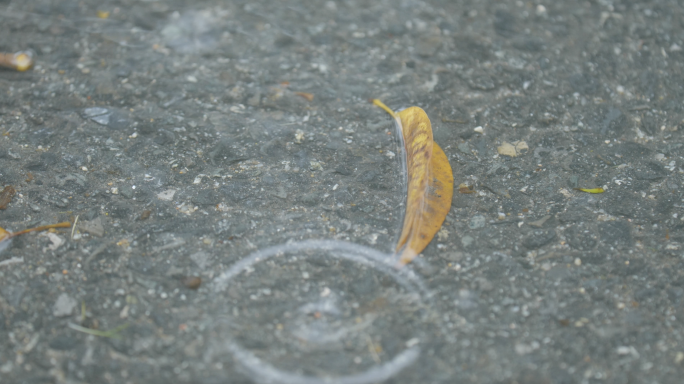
x: 319, y: 311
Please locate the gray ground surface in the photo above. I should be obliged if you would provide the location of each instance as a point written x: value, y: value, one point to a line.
x: 170, y: 131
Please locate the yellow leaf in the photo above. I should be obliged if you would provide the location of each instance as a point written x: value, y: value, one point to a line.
x: 4, y: 234
x: 590, y: 190
x: 430, y: 182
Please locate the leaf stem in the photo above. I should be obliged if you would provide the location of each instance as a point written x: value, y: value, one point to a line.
x: 387, y: 109
x: 113, y: 333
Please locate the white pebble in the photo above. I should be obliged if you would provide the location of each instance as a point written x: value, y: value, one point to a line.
x: 541, y: 10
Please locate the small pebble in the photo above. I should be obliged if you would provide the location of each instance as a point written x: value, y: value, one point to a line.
x: 541, y: 10
x: 679, y: 357
x: 477, y: 221
x: 467, y: 241
x: 64, y: 305
x: 166, y: 195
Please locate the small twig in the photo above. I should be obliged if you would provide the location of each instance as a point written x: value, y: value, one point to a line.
x: 372, y: 349
x: 73, y: 228
x: 64, y: 224
x: 112, y: 333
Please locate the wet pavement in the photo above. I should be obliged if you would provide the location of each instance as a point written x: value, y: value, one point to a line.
x: 235, y: 195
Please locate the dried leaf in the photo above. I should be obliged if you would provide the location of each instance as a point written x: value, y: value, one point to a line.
x: 430, y: 182
x: 590, y: 190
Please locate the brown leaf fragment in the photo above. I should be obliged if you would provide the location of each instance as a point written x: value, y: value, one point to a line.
x: 145, y: 214
x: 466, y: 189
x: 191, y: 282
x: 307, y: 96
x: 6, y: 196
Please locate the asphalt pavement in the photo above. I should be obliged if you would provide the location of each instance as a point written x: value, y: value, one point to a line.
x: 234, y: 197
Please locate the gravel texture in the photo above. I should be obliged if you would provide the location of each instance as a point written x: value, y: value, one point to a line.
x: 186, y: 136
